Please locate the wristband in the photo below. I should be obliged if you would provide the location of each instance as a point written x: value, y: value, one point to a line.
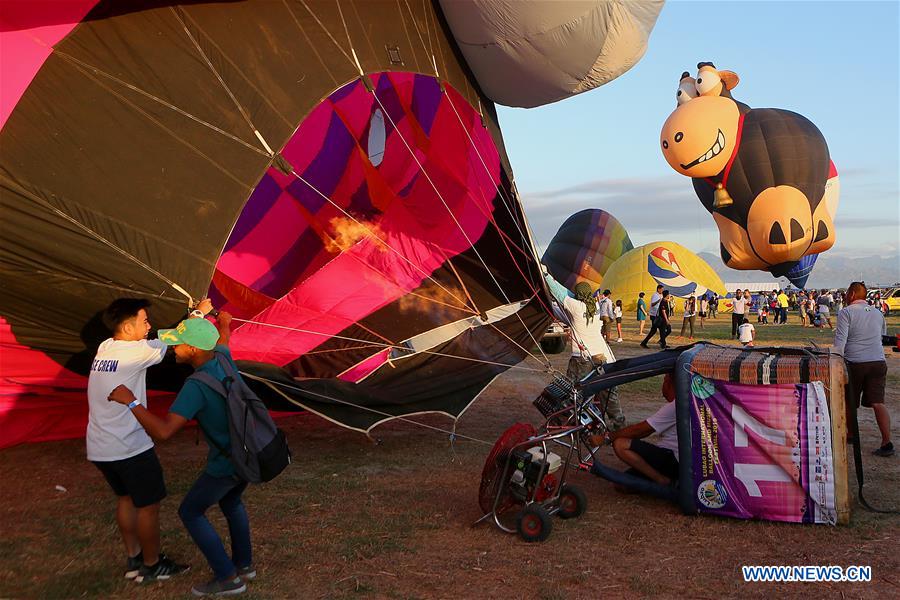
x: 134, y: 403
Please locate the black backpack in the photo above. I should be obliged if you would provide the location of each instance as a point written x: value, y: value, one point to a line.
x: 259, y: 449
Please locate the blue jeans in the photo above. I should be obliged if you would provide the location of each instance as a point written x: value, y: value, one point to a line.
x: 226, y: 491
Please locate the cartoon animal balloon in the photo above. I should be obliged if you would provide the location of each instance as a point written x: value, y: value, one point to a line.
x: 764, y: 174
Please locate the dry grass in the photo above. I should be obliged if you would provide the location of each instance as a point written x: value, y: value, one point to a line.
x: 352, y: 518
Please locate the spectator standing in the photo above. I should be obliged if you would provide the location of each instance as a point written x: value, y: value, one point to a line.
x: 641, y: 312
x: 823, y: 304
x: 690, y: 312
x: 665, y: 325
x: 737, y: 314
x: 617, y: 312
x: 858, y: 339
x: 606, y: 313
x: 704, y: 309
x: 713, y: 306
x: 655, y: 301
x: 782, y: 307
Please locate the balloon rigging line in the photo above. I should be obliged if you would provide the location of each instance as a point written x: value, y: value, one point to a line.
x: 372, y: 234
x: 327, y: 32
x: 455, y: 220
x: 406, y: 349
x: 49, y: 276
x: 447, y: 260
x: 159, y: 124
x: 503, y: 197
x: 237, y: 69
x: 105, y: 241
x: 309, y: 42
x: 144, y: 93
x: 515, y: 221
x: 270, y: 382
x: 406, y: 31
x: 222, y: 82
x: 355, y: 62
x: 157, y: 99
x: 506, y: 201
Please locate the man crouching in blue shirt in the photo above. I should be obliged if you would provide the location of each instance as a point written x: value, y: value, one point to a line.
x: 196, y: 342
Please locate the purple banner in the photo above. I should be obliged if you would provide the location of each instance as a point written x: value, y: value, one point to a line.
x: 762, y: 451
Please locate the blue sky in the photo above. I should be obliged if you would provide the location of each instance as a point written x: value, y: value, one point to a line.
x: 834, y: 62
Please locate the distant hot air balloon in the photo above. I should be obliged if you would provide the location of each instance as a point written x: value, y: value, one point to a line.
x: 765, y: 174
x: 585, y: 246
x: 668, y: 264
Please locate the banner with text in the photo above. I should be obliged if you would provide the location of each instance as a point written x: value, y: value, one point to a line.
x: 762, y: 451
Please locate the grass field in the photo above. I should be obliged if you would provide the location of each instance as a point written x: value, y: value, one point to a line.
x: 392, y: 517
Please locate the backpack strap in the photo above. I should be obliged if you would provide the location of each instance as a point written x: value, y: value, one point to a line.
x: 219, y: 388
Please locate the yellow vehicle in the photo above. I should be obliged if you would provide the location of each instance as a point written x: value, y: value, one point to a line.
x: 891, y: 297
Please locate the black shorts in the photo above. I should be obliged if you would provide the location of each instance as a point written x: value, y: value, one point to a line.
x: 139, y: 476
x: 661, y: 459
x: 867, y: 379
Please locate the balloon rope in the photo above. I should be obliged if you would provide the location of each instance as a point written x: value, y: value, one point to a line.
x: 506, y: 203
x: 215, y: 72
x: 271, y: 382
x: 354, y: 61
x: 405, y: 349
x: 103, y: 240
x: 455, y: 220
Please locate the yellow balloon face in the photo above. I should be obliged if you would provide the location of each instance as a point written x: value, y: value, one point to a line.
x: 699, y: 136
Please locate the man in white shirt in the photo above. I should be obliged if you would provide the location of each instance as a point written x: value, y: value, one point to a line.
x: 737, y: 315
x: 654, y: 314
x: 589, y: 349
x: 657, y: 462
x: 116, y: 442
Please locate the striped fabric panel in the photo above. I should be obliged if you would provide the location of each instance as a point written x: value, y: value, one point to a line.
x: 759, y: 367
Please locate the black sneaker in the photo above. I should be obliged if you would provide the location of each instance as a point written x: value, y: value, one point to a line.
x: 164, y: 568
x: 886, y: 450
x: 214, y: 587
x: 643, y: 345
x: 247, y: 573
x: 134, y: 565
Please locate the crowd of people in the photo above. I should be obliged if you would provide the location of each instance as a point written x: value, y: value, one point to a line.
x: 121, y: 431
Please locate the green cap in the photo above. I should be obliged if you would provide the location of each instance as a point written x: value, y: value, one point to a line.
x: 199, y: 333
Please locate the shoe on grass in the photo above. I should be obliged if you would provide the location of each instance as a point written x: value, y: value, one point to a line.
x: 133, y: 565
x: 886, y: 450
x: 215, y: 587
x: 165, y: 568
x: 247, y: 573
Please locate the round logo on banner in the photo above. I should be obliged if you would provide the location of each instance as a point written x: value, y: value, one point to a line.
x: 701, y: 387
x: 712, y: 494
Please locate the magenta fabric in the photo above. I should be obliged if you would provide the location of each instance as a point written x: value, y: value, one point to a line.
x: 28, y: 31
x: 296, y: 261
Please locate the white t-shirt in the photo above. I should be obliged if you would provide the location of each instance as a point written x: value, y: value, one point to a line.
x: 739, y: 304
x: 617, y: 311
x: 663, y: 423
x: 655, y: 299
x: 745, y: 332
x: 587, y: 333
x: 113, y: 433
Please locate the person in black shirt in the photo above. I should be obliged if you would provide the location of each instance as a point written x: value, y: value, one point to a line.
x: 665, y: 325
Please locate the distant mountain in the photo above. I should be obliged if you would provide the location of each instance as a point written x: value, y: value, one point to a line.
x: 831, y: 271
